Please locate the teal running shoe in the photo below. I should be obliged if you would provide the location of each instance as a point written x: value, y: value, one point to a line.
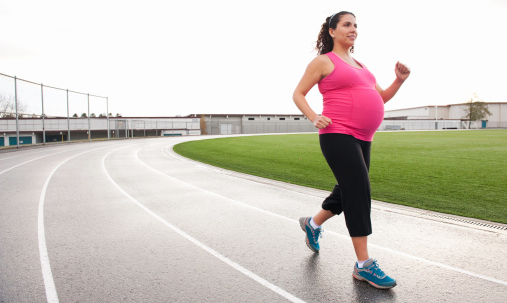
x: 372, y: 274
x: 312, y: 235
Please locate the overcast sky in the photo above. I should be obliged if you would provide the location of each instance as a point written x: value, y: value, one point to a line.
x: 163, y: 58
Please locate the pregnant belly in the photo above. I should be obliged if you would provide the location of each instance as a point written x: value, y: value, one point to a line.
x: 367, y: 111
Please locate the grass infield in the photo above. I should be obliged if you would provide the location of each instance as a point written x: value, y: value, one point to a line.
x: 456, y: 172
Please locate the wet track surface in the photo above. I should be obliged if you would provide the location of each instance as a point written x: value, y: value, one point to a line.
x: 130, y: 221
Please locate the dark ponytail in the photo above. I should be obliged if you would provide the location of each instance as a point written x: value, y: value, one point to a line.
x: 325, y: 42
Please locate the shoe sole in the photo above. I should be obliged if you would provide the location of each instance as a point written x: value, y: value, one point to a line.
x: 302, y: 223
x: 359, y: 278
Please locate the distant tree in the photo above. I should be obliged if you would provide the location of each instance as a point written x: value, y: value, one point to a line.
x: 92, y: 115
x: 83, y: 115
x: 476, y: 109
x: 75, y: 115
x: 101, y: 116
x: 8, y: 107
x: 118, y: 115
x: 110, y: 114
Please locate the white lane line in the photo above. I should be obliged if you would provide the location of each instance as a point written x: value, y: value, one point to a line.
x: 39, y: 158
x: 22, y: 154
x: 442, y: 265
x: 47, y: 274
x: 42, y: 149
x: 201, y: 245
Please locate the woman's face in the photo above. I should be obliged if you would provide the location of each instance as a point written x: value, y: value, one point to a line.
x: 345, y: 32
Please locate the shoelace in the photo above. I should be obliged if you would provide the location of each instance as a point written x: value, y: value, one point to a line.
x: 374, y: 267
x: 318, y: 233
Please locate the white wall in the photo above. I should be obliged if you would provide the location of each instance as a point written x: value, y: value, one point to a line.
x: 411, y: 113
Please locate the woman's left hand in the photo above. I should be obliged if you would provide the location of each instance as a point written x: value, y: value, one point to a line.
x: 402, y: 71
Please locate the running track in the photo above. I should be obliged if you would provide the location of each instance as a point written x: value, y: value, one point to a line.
x: 130, y: 221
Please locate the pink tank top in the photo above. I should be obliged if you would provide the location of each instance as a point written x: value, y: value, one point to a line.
x: 351, y: 100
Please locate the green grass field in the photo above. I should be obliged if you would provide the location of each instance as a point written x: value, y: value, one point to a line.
x: 455, y: 172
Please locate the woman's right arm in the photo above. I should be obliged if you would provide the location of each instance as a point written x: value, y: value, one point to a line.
x: 313, y: 74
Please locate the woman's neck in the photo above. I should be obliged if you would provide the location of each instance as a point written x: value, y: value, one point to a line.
x: 341, y: 51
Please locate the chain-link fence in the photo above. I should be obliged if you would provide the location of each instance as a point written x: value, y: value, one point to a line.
x: 35, y: 113
x: 37, y: 105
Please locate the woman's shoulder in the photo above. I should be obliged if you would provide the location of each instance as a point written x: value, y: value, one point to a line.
x: 321, y: 61
x: 323, y: 58
x: 320, y: 66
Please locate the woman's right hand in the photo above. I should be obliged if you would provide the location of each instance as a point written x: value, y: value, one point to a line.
x: 321, y: 122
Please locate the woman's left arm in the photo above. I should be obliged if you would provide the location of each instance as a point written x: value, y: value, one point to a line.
x: 402, y: 73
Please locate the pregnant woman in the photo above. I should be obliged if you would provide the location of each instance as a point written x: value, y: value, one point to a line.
x: 353, y: 111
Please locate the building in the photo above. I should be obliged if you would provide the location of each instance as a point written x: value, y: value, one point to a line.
x: 452, y: 115
x: 223, y: 124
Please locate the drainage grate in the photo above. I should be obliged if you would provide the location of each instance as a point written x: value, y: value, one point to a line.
x: 451, y: 218
x: 469, y: 222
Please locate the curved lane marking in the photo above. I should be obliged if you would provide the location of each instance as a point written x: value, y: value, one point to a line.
x: 407, y: 255
x: 47, y: 275
x: 201, y: 245
x: 6, y: 170
x: 27, y: 153
x: 22, y: 153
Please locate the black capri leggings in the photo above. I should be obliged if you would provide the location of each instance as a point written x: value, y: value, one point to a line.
x: 349, y: 159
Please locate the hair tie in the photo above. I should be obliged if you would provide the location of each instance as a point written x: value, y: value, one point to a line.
x: 331, y: 19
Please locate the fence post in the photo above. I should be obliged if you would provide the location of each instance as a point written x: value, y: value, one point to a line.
x: 107, y: 115
x: 16, y: 105
x: 68, y: 118
x: 89, y: 130
x: 43, y: 114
